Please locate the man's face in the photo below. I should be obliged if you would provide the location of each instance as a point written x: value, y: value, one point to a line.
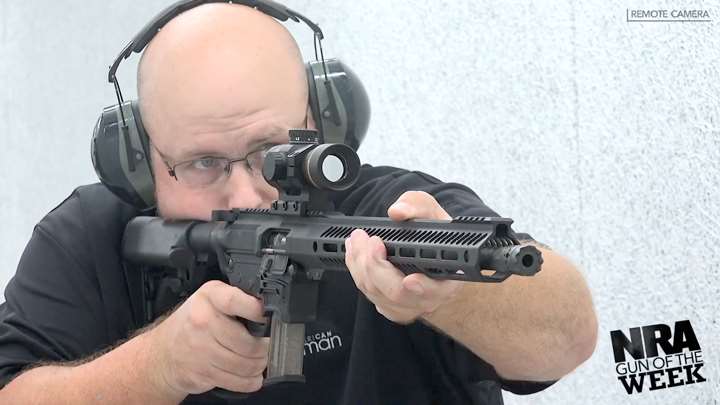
x: 216, y: 91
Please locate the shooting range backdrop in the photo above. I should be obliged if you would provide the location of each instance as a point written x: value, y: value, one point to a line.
x: 599, y: 136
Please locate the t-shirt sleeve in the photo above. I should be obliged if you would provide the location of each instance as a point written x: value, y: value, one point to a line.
x: 458, y: 375
x: 380, y: 186
x: 52, y: 310
x: 456, y: 370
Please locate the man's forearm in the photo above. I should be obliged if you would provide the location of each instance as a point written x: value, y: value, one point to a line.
x: 121, y: 376
x: 536, y: 328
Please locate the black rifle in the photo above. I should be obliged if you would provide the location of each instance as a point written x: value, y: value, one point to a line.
x: 279, y: 254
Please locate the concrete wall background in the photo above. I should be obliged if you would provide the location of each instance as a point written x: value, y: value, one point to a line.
x: 599, y: 137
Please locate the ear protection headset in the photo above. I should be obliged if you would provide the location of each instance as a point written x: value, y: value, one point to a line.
x: 120, y: 145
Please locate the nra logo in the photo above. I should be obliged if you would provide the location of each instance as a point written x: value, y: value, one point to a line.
x: 661, y: 357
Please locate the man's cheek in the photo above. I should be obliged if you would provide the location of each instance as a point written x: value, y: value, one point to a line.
x: 199, y: 204
x: 176, y: 203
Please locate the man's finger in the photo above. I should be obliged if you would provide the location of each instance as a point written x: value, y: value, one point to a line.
x: 431, y: 290
x: 233, y: 301
x: 384, y: 276
x: 416, y: 205
x: 232, y: 335
x: 358, y: 260
x: 231, y: 382
x: 233, y: 363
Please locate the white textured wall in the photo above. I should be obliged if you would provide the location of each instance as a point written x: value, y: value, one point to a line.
x: 599, y: 137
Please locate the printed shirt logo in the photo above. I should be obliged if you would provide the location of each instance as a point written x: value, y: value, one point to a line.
x: 321, y: 342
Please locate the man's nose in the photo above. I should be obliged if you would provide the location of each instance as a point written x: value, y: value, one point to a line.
x: 243, y: 189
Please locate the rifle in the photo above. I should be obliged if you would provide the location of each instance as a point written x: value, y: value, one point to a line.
x: 279, y: 254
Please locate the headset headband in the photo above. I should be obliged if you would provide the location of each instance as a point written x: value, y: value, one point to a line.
x: 148, y: 32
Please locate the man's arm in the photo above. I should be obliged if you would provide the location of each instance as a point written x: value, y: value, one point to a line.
x: 124, y: 375
x: 529, y: 328
x: 196, y: 348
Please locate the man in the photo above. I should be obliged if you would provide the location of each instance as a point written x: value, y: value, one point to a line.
x: 225, y: 80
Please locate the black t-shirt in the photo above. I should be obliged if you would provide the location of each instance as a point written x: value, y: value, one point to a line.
x: 71, y: 297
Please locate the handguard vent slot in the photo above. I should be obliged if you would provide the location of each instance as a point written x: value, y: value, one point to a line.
x: 332, y: 261
x: 498, y: 242
x: 408, y: 268
x: 410, y: 235
x: 470, y: 219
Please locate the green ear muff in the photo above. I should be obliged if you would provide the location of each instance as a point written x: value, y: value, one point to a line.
x: 120, y: 155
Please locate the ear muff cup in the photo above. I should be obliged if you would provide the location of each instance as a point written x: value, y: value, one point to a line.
x: 120, y: 155
x: 339, y: 104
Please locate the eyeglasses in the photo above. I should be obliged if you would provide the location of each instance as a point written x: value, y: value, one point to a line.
x: 207, y: 170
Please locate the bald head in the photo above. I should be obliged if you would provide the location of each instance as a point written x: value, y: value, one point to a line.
x: 217, y: 60
x: 220, y: 80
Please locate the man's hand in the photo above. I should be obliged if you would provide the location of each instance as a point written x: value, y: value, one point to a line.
x: 398, y: 297
x: 201, y: 345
